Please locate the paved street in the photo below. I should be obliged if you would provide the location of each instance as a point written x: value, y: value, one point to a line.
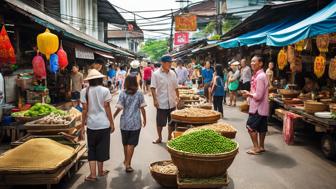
x: 281, y: 167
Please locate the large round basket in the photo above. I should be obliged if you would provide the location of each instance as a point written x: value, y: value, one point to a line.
x: 165, y: 180
x: 27, y: 119
x: 202, y: 166
x: 311, y: 106
x: 287, y: 93
x: 184, y: 119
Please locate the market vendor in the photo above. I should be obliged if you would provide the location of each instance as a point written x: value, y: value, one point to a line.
x: 76, y: 85
x: 310, y: 85
x: 98, y: 64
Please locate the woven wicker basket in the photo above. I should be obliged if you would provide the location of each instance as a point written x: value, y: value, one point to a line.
x: 311, y: 106
x: 244, y: 107
x: 286, y: 93
x: 201, y: 165
x: 165, y: 180
x: 210, y: 119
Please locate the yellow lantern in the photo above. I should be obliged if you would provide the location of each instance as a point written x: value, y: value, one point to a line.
x: 282, y: 59
x: 319, y: 66
x: 47, y: 43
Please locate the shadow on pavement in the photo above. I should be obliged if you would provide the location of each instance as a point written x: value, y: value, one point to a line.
x: 276, y: 160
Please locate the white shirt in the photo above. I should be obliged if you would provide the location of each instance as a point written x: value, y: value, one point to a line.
x: 182, y: 74
x: 246, y: 74
x: 165, y: 85
x: 96, y: 116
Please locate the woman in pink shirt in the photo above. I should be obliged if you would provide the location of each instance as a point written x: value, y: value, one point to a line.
x: 259, y: 106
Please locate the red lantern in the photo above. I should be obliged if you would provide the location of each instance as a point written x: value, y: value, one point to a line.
x: 62, y: 58
x: 39, y: 67
x: 7, y: 53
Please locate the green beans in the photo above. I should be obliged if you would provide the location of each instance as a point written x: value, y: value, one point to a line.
x: 203, y: 142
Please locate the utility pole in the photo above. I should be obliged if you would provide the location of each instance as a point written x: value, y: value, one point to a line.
x: 171, y: 32
x: 220, y: 9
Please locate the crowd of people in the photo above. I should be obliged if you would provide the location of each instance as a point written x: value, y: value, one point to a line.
x: 94, y: 94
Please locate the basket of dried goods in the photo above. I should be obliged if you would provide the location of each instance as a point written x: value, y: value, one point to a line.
x: 202, y: 105
x: 288, y: 93
x: 195, y: 115
x: 165, y: 173
x: 311, y: 106
x: 35, y: 112
x: 202, y: 154
x: 36, y: 155
x: 244, y: 107
x: 52, y: 121
x: 224, y: 129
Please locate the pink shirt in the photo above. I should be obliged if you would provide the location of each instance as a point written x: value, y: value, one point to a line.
x: 259, y: 91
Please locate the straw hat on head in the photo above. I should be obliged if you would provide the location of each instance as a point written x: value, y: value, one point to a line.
x: 94, y: 74
x: 235, y: 63
x: 135, y: 64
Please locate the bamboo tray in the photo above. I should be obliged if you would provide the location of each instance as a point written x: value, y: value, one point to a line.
x: 182, y: 119
x: 215, y: 182
x: 32, y: 126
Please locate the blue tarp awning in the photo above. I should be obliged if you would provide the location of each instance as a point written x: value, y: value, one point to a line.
x: 322, y: 22
x: 289, y: 30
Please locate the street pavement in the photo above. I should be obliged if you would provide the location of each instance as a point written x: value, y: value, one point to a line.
x: 282, y: 167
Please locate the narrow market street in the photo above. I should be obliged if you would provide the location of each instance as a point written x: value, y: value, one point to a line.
x: 282, y: 167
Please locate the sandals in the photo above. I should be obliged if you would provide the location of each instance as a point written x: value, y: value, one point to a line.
x: 106, y: 172
x: 129, y: 169
x: 90, y: 179
x: 156, y: 141
x: 251, y: 152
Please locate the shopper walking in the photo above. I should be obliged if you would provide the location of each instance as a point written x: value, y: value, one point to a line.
x: 218, y: 89
x: 131, y: 102
x: 111, y: 73
x: 121, y: 75
x: 164, y: 89
x: 233, y: 83
x: 207, y: 74
x: 97, y: 116
x: 245, y: 75
x: 259, y: 106
x: 77, y: 82
x: 182, y: 73
x: 147, y: 75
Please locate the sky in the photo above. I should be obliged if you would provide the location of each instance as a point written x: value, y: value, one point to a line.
x: 151, y: 24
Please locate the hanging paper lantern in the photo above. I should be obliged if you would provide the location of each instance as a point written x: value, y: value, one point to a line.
x: 322, y: 43
x: 300, y: 45
x: 319, y: 66
x: 39, y: 67
x: 47, y: 43
x: 53, y: 63
x: 7, y: 53
x: 282, y: 59
x: 332, y: 69
x: 62, y: 58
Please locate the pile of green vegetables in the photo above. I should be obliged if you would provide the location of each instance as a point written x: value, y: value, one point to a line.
x: 203, y: 142
x: 39, y: 109
x: 333, y: 115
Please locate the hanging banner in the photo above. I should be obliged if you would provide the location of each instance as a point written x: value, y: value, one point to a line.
x: 186, y: 23
x: 7, y: 53
x: 319, y: 66
x: 181, y: 38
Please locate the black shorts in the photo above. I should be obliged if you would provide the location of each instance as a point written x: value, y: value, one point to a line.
x: 130, y: 137
x: 256, y: 122
x: 163, y: 116
x: 98, y: 142
x: 245, y: 86
x: 75, y: 95
x: 148, y: 82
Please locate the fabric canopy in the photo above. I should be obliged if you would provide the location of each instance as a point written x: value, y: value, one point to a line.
x: 322, y: 22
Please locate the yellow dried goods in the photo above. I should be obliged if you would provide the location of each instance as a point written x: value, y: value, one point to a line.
x: 40, y: 154
x: 332, y: 69
x: 319, y: 66
x: 217, y: 127
x: 282, y: 59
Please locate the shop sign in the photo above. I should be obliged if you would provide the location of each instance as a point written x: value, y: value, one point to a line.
x: 181, y: 38
x: 84, y: 53
x: 186, y: 22
x: 319, y: 66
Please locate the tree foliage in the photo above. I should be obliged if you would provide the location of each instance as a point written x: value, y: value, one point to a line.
x: 155, y: 48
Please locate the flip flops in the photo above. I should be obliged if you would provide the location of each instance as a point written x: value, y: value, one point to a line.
x: 129, y: 169
x: 156, y: 141
x: 90, y: 179
x: 251, y: 152
x: 106, y: 172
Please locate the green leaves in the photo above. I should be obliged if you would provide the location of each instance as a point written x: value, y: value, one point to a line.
x: 155, y: 48
x: 203, y: 142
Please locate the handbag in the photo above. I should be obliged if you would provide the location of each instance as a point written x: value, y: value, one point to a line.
x: 233, y: 85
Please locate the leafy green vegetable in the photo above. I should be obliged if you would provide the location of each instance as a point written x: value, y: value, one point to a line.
x: 203, y: 142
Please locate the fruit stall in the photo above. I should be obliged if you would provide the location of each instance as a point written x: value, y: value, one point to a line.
x: 195, y: 161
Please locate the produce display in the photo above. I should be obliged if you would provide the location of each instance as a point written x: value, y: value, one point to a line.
x: 40, y: 154
x: 39, y: 109
x: 195, y: 112
x: 186, y: 91
x: 189, y: 97
x: 203, y: 142
x: 217, y: 127
x: 166, y: 167
x: 55, y: 119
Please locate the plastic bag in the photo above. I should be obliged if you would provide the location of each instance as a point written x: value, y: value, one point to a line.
x: 39, y: 67
x: 54, y: 63
x: 62, y: 58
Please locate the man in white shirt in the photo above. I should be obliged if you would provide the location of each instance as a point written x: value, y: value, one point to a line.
x: 245, y: 76
x: 181, y: 72
x: 164, y: 89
